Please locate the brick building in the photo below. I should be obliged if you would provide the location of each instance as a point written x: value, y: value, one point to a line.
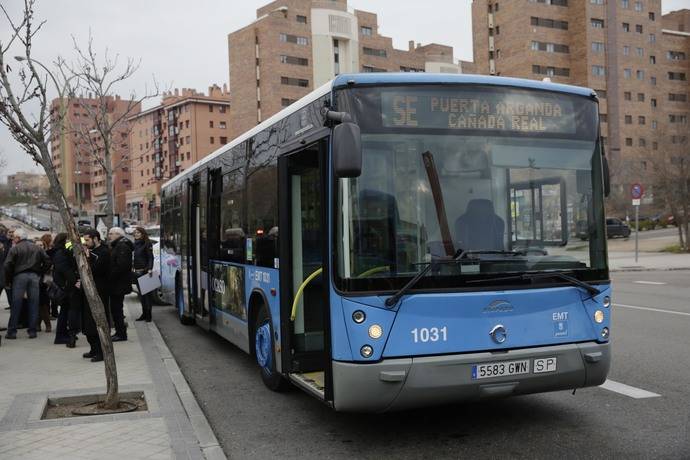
x: 25, y: 182
x: 295, y: 46
x: 168, y: 138
x: 635, y: 58
x: 81, y: 176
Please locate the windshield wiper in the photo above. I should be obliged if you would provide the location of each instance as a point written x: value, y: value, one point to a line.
x: 533, y: 276
x: 392, y: 300
x: 514, y: 252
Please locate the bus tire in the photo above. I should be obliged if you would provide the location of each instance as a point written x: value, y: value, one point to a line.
x: 264, y: 351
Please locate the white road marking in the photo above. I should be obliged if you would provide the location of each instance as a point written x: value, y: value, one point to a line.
x: 648, y: 282
x: 627, y: 390
x: 670, y: 312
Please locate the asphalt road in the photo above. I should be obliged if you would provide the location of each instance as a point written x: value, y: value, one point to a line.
x: 651, y: 351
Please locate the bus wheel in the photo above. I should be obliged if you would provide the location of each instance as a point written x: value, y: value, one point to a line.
x: 264, y: 347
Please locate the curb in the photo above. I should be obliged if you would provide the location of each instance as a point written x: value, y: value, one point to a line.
x: 647, y: 269
x: 207, y: 439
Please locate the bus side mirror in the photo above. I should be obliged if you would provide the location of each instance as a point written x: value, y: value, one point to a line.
x: 347, y: 150
x: 607, y: 176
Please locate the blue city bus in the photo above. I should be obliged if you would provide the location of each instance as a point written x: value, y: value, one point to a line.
x: 392, y: 241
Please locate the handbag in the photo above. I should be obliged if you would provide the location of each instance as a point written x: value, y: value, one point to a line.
x: 56, y: 293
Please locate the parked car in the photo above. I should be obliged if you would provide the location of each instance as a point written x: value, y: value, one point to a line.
x: 616, y: 227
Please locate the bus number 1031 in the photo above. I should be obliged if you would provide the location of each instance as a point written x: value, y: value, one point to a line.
x: 431, y: 334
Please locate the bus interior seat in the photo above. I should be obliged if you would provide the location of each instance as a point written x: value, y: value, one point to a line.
x: 479, y: 228
x: 375, y: 230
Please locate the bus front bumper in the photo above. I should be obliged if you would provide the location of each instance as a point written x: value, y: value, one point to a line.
x: 404, y: 383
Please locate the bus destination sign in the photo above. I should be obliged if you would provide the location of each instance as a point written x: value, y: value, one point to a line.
x: 529, y: 113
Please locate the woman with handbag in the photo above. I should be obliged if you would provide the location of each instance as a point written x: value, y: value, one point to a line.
x: 142, y: 264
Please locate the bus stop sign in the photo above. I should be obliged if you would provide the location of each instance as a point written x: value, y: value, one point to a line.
x: 636, y: 191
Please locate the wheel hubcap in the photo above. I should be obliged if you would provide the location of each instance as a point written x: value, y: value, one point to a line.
x: 263, y: 346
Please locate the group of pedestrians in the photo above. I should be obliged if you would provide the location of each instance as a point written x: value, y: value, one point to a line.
x: 41, y: 277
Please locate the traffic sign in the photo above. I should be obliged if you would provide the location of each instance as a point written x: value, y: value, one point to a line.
x: 636, y: 201
x: 636, y: 191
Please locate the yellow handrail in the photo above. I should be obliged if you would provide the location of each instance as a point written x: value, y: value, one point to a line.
x: 371, y: 271
x: 300, y: 291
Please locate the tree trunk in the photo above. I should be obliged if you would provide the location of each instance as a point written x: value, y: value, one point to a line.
x: 95, y: 304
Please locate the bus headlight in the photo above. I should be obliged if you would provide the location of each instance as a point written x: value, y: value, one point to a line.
x: 606, y: 302
x: 605, y: 333
x: 366, y: 351
x: 375, y: 331
x: 358, y: 316
x: 599, y: 316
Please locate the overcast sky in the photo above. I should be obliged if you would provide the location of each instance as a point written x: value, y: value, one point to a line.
x: 184, y: 43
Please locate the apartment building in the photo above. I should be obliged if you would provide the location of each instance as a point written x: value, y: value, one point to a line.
x: 168, y: 138
x: 82, y: 178
x: 25, y: 182
x: 295, y: 46
x: 635, y: 58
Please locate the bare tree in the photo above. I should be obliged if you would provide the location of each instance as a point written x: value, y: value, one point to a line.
x: 671, y: 177
x: 31, y: 128
x: 104, y: 137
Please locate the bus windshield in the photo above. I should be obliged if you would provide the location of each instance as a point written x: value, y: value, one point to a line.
x: 503, y: 180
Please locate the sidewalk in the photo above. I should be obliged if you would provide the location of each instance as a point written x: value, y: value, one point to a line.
x: 625, y: 261
x: 33, y: 370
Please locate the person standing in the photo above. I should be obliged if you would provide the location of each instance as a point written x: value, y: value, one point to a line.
x: 24, y: 266
x: 5, y: 245
x: 65, y: 277
x: 43, y: 299
x: 143, y: 265
x: 120, y: 279
x: 47, y: 239
x: 99, y: 261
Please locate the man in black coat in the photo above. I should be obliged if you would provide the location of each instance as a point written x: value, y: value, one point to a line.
x: 99, y: 260
x: 120, y: 279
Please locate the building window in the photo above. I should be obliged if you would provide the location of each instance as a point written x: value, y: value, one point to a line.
x: 640, y: 74
x: 210, y: 107
x: 625, y: 4
x: 641, y: 120
x: 301, y: 19
x: 675, y: 55
x: 651, y: 16
x: 655, y: 145
x: 626, y: 50
x: 551, y: 71
x: 652, y: 60
x: 596, y: 2
x: 222, y: 125
x: 294, y: 60
x: 638, y: 6
x: 550, y: 47
x: 682, y: 119
x: 223, y: 140
x: 601, y: 93
x: 413, y: 69
x: 678, y: 97
x: 638, y: 28
x: 370, y: 69
x: 639, y: 51
x: 597, y: 23
x: 626, y: 27
x: 598, y: 70
x: 186, y: 122
x: 627, y: 73
x: 628, y: 119
x: 679, y: 76
x: 551, y: 23
x: 210, y: 124
x: 652, y: 81
x: 189, y: 155
x: 640, y: 97
x: 553, y: 2
x: 221, y: 109
x: 628, y: 141
x: 374, y: 52
x: 654, y: 124
x: 336, y: 57
x: 627, y: 96
x: 294, y: 82
x: 287, y: 38
x: 212, y: 140
x: 642, y: 142
x: 598, y: 47
x: 652, y: 38
x: 366, y: 31
x: 652, y: 102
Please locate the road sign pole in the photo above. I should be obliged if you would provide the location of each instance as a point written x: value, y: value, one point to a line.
x: 637, y: 229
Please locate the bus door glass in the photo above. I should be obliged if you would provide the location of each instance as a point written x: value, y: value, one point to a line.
x: 538, y: 213
x: 305, y: 203
x: 195, y: 251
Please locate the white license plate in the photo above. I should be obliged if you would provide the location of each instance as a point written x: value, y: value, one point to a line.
x: 500, y: 369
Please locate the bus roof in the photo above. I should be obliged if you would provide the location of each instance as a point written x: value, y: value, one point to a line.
x: 446, y: 78
x: 384, y: 79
